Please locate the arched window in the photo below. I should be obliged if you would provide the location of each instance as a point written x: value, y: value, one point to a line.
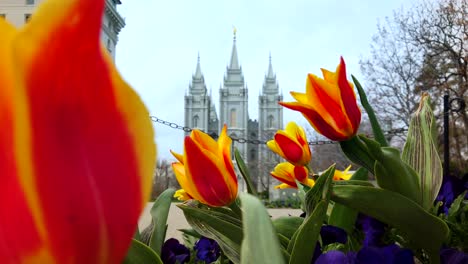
x: 270, y: 121
x: 195, y: 121
x: 233, y: 118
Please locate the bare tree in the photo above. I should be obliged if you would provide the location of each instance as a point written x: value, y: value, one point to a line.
x: 425, y: 48
x: 441, y: 30
x: 391, y: 73
x: 163, y: 178
x: 324, y: 154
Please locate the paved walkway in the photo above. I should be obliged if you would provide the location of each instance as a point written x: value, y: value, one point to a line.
x: 176, y: 219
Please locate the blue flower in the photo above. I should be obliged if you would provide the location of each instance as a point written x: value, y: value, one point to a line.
x: 332, y: 234
x: 317, y: 252
x: 336, y: 256
x: 173, y: 252
x: 373, y: 230
x: 453, y: 256
x: 451, y: 188
x: 207, y: 250
x: 391, y: 254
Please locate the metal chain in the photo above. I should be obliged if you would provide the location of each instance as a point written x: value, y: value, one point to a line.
x: 256, y: 141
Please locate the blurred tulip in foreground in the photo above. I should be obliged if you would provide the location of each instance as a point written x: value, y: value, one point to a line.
x: 77, y: 147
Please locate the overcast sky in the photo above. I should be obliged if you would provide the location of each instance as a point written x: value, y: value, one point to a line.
x: 157, y: 49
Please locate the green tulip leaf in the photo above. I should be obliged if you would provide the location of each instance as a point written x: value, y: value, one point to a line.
x: 139, y: 253
x: 391, y: 172
x: 286, y: 254
x: 376, y: 129
x: 245, y: 173
x: 222, y: 227
x: 343, y: 216
x: 357, y: 152
x: 284, y: 242
x: 287, y: 225
x: 302, y: 244
x: 159, y: 214
x: 320, y: 191
x: 190, y: 232
x: 317, y: 199
x: 422, y: 229
x: 355, y: 182
x: 260, y: 244
x: 420, y: 152
x: 232, y: 210
x: 137, y: 235
x: 455, y: 208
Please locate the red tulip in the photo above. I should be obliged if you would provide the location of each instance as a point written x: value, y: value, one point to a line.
x: 205, y: 171
x: 329, y: 104
x: 292, y: 145
x: 287, y: 173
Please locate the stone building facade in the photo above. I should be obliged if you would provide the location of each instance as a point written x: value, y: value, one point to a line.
x: 200, y: 113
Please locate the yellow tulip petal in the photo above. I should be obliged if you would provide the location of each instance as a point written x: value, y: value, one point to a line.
x: 284, y: 172
x: 284, y: 186
x: 342, y: 175
x: 178, y: 156
x: 204, y: 140
x: 182, y: 195
x: 310, y: 182
x: 273, y: 146
x: 224, y: 148
x: 301, y: 98
x: 179, y: 171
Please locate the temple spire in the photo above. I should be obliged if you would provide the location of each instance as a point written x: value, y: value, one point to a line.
x: 270, y: 73
x: 234, y: 64
x: 270, y: 85
x: 198, y: 73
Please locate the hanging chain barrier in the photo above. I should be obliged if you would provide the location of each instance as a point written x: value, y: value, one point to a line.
x: 257, y: 141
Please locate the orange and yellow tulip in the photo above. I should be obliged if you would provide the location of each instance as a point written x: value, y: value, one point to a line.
x: 329, y: 104
x: 77, y: 148
x: 291, y: 144
x: 205, y: 171
x: 287, y: 173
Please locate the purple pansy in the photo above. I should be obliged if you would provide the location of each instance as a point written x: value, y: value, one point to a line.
x: 332, y: 234
x: 173, y: 252
x: 453, y: 256
x: 451, y: 188
x: 373, y: 230
x: 391, y: 254
x: 336, y: 256
x: 207, y: 250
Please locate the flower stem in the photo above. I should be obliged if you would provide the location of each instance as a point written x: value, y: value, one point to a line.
x: 234, y: 206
